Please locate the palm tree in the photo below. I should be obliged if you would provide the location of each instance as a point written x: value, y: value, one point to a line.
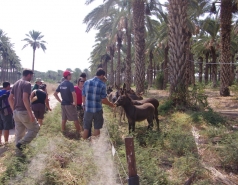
x: 34, y: 40
x: 225, y: 18
x: 138, y: 7
x: 177, y: 44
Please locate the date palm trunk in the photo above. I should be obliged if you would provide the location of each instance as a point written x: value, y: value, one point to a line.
x: 206, y: 68
x: 165, y: 66
x: 177, y: 52
x: 128, y: 74
x: 225, y: 19
x: 200, y: 72
x: 112, y: 51
x: 118, y: 69
x: 214, y: 67
x: 139, y: 43
x: 150, y: 71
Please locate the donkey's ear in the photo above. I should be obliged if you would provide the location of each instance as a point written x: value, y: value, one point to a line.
x: 117, y: 87
x: 124, y: 86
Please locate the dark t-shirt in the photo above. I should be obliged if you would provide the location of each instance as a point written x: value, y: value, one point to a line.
x: 17, y: 90
x: 41, y: 96
x: 66, y: 88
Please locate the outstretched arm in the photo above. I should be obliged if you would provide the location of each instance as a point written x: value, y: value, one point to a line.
x: 106, y: 102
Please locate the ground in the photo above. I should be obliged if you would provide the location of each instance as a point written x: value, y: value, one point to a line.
x: 227, y: 106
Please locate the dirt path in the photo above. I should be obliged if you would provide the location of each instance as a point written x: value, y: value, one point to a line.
x: 53, y: 102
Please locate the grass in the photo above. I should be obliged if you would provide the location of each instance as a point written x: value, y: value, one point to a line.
x: 51, y: 158
x: 168, y: 157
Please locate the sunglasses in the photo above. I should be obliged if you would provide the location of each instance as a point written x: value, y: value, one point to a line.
x: 82, y: 81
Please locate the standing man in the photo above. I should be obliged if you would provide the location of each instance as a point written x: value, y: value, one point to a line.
x: 6, y: 121
x: 22, y: 113
x: 94, y: 94
x: 38, y: 82
x: 68, y: 102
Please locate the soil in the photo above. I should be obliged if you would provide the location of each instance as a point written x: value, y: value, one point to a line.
x: 227, y: 107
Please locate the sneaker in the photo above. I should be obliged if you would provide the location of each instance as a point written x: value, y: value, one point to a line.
x: 19, y: 146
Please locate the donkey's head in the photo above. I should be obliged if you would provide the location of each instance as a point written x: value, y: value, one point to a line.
x: 123, y: 99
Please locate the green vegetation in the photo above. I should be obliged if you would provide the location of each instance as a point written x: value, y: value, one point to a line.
x: 51, y: 158
x: 167, y: 157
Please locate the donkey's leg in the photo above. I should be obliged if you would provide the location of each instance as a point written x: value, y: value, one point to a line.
x: 150, y: 122
x: 124, y: 114
x: 156, y: 118
x: 120, y: 114
x: 129, y: 124
x: 133, y: 126
x: 114, y: 112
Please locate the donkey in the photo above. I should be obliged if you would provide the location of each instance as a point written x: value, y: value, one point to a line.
x: 154, y: 102
x: 136, y: 112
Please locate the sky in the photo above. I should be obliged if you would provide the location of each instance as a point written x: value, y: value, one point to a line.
x: 61, y: 23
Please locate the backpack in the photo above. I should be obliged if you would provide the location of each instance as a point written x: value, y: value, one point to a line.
x: 4, y: 105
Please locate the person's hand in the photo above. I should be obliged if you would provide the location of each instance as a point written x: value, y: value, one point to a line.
x: 32, y: 117
x: 113, y: 105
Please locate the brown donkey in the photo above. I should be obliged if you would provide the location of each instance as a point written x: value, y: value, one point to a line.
x: 154, y: 102
x: 136, y: 112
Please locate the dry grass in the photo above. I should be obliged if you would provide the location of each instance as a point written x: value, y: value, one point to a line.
x: 51, y: 87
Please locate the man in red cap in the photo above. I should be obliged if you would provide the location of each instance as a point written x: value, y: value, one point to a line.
x: 68, y: 102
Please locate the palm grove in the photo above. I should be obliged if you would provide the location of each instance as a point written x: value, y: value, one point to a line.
x: 11, y: 67
x: 138, y: 40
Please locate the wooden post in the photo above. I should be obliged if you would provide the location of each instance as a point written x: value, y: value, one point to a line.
x: 131, y: 161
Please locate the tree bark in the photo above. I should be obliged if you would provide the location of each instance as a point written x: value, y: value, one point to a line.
x: 139, y: 43
x: 206, y: 68
x: 200, y: 63
x: 165, y: 66
x: 225, y: 19
x: 112, y: 51
x: 214, y: 67
x: 177, y: 52
x: 128, y: 54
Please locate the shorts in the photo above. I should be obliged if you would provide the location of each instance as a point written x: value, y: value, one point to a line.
x: 39, y: 110
x: 69, y: 112
x: 6, y: 122
x: 90, y: 116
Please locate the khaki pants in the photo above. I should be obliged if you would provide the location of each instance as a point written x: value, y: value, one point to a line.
x: 23, y: 124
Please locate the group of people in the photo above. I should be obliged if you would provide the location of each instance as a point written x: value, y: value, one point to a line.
x: 81, y: 104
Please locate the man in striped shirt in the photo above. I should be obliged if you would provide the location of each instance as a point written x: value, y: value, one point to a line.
x: 94, y: 94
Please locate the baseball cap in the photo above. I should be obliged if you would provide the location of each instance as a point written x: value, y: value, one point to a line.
x: 67, y: 73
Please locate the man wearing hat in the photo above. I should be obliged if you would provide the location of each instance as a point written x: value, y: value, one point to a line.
x: 38, y: 82
x: 68, y: 102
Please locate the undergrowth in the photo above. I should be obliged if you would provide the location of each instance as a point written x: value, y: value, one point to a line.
x: 51, y: 158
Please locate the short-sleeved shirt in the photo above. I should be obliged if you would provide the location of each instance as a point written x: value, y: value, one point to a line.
x: 94, y: 91
x: 78, y: 94
x: 17, y: 90
x: 41, y: 96
x: 66, y: 88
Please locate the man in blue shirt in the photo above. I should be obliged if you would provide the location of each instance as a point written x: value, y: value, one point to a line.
x: 6, y: 121
x: 68, y: 103
x: 94, y: 94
